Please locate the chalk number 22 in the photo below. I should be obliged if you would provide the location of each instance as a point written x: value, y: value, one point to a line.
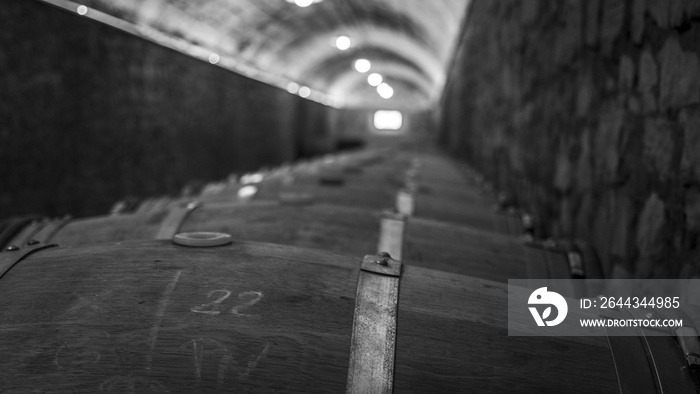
x: 212, y: 307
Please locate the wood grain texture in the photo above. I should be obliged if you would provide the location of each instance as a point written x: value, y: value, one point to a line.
x: 245, y: 317
x: 673, y: 372
x: 27, y: 233
x: 259, y: 317
x: 336, y: 228
x: 466, y: 195
x: 454, y: 211
x: 11, y: 227
x: 476, y: 252
x: 350, y: 195
x: 333, y: 228
x: 12, y: 257
x: 49, y: 231
x: 111, y: 228
x: 452, y: 338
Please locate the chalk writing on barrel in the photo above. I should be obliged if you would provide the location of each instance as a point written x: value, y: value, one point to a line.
x: 81, y: 350
x: 88, y: 301
x: 78, y: 353
x: 212, y: 307
x: 257, y: 296
x: 254, y: 363
x: 198, y: 346
x: 160, y: 313
x: 75, y: 356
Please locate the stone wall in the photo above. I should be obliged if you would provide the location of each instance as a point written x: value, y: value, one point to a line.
x: 90, y: 114
x: 588, y: 113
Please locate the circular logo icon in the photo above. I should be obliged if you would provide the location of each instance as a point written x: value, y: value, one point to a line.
x: 554, y: 300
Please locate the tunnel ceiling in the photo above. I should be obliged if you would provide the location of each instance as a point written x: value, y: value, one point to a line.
x: 408, y: 42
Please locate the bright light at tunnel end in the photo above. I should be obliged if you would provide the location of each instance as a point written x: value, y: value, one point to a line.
x: 388, y: 120
x: 362, y: 65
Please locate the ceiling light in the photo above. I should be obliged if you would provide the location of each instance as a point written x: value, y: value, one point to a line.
x: 247, y: 192
x: 385, y: 91
x: 248, y: 179
x: 374, y: 79
x: 304, y: 92
x: 362, y: 65
x: 342, y: 43
x: 303, y: 3
x: 293, y: 88
x: 214, y: 58
x: 82, y: 10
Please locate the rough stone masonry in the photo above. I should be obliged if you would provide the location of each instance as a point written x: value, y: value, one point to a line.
x: 588, y: 113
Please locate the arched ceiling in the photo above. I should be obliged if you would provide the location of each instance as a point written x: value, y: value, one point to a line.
x: 409, y: 42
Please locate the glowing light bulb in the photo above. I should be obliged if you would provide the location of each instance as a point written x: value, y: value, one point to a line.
x: 342, y: 43
x: 82, y: 10
x: 247, y: 192
x: 293, y: 87
x: 252, y: 178
x: 362, y: 65
x: 304, y: 92
x: 303, y: 3
x: 374, y: 79
x: 385, y: 91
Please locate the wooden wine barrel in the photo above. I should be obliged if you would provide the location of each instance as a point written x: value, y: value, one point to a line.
x: 246, y: 317
x: 373, y: 182
x: 383, y: 170
x: 455, y: 207
x: 431, y: 244
x: 143, y: 224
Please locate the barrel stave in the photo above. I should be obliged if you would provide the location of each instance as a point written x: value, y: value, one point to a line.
x: 100, y: 316
x: 452, y: 337
x: 129, y: 227
x: 476, y: 252
x: 321, y: 226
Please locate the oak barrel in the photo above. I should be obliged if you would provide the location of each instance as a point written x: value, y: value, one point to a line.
x: 452, y: 207
x: 247, y: 317
x: 431, y: 244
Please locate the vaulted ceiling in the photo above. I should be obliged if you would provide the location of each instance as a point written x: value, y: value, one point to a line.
x: 408, y: 42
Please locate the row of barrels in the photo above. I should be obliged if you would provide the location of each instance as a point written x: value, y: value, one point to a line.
x: 336, y: 204
x: 372, y: 271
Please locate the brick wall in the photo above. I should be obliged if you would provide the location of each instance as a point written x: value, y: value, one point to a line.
x: 89, y: 114
x: 588, y: 113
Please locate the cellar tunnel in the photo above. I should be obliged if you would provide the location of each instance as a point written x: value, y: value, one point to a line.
x: 585, y: 113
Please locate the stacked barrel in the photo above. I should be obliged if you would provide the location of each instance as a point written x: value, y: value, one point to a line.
x: 376, y: 270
